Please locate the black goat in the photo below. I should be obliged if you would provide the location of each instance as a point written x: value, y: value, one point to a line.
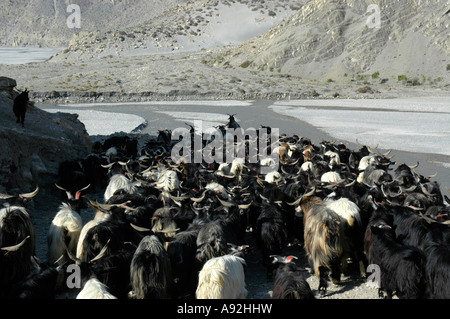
x: 17, y: 241
x: 271, y: 234
x: 20, y: 106
x: 181, y: 250
x: 402, y: 267
x: 288, y: 283
x: 433, y: 238
x: 150, y: 270
x: 39, y: 285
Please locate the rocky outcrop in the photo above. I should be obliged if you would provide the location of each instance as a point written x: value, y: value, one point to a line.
x: 31, y: 155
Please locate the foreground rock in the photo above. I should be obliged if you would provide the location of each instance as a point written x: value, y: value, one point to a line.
x: 31, y: 155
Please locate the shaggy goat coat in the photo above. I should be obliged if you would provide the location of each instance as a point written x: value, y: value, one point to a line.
x: 323, y: 234
x: 150, y: 270
x: 15, y: 226
x: 222, y: 278
x: 64, y: 233
x: 94, y: 289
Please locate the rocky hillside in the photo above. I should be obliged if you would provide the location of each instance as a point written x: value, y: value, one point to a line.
x: 247, y: 49
x: 31, y: 155
x: 188, y: 26
x: 333, y: 39
x: 44, y: 23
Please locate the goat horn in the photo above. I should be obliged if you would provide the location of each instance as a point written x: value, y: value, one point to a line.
x: 84, y: 188
x: 414, y: 166
x: 301, y: 197
x: 96, y: 205
x: 296, y: 202
x: 108, y: 165
x: 61, y: 188
x: 425, y: 191
x: 427, y: 219
x: 198, y: 200
x: 350, y: 184
x: 225, y: 203
x: 410, y: 189
x: 138, y: 228
x: 177, y: 198
x: 101, y: 253
x: 245, y: 206
x: 165, y: 231
x: 6, y: 196
x: 358, y: 143
x: 30, y: 195
x: 15, y: 247
x: 430, y: 176
x: 415, y: 208
x: 69, y: 194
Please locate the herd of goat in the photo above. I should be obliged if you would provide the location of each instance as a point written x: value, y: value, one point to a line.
x: 166, y: 229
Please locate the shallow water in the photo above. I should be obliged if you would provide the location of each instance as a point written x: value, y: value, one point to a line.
x: 414, y: 135
x: 21, y: 55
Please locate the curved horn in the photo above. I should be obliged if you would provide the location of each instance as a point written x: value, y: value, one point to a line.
x: 72, y: 257
x: 415, y: 208
x: 138, y: 228
x: 6, y: 196
x: 165, y: 231
x: 225, y: 203
x: 430, y: 176
x: 245, y: 206
x: 387, y: 153
x: 14, y: 247
x: 310, y: 193
x: 427, y: 219
x: 425, y: 191
x: 198, y: 200
x: 177, y: 198
x: 30, y: 195
x: 350, y: 184
x: 101, y: 253
x: 413, y: 166
x: 84, y: 188
x: 69, y: 194
x: 61, y: 188
x: 108, y: 165
x: 105, y: 207
x: 358, y: 143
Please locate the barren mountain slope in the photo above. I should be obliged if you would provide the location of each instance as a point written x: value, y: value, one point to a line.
x: 44, y: 22
x: 188, y: 26
x: 328, y: 39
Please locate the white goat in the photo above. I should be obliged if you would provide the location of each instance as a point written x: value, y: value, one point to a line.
x: 63, y: 233
x: 168, y: 181
x: 222, y: 278
x: 119, y: 181
x: 346, y: 209
x: 331, y: 177
x: 95, y: 289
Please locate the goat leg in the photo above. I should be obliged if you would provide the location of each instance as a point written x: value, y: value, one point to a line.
x: 323, y: 280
